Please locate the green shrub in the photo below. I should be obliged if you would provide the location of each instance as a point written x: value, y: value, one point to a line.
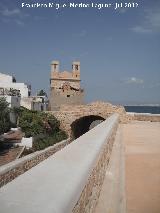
x: 48, y: 140
x: 31, y: 122
x: 61, y: 135
x: 45, y: 128
x: 54, y: 124
x: 5, y: 123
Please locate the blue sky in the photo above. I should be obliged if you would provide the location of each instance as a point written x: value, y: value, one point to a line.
x: 119, y: 50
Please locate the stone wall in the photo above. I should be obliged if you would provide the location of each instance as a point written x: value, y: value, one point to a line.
x: 144, y: 117
x: 10, y: 171
x: 73, y: 176
x: 102, y: 109
x: 68, y: 114
x: 60, y: 81
x: 66, y: 97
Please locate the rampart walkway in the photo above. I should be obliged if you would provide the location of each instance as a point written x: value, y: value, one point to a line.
x: 142, y: 153
x: 140, y: 141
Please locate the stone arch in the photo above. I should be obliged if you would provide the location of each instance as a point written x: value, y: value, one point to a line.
x: 83, y: 124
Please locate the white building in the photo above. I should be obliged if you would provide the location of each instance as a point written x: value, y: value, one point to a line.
x: 12, y: 90
x: 14, y: 101
x: 8, y: 83
x: 38, y: 103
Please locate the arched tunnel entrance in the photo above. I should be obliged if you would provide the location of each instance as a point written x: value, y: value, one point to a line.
x: 84, y: 124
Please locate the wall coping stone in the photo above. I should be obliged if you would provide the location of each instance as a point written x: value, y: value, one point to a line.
x: 147, y: 114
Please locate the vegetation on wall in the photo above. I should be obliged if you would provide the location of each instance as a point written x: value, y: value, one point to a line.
x: 42, y: 93
x: 5, y: 123
x: 48, y: 140
x: 45, y: 128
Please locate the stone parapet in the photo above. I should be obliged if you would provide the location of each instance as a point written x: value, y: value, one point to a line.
x: 91, y: 192
x: 69, y: 181
x: 12, y: 170
x: 144, y: 117
x: 68, y: 114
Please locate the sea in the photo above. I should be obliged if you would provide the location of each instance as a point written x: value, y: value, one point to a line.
x: 143, y: 109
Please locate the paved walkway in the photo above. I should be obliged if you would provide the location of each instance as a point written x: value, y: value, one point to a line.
x: 142, y: 153
x: 141, y: 143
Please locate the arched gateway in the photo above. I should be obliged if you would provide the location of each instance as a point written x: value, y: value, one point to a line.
x: 77, y: 119
x: 84, y: 124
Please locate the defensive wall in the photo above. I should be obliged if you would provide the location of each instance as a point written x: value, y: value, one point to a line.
x: 69, y: 181
x: 144, y: 117
x: 81, y: 115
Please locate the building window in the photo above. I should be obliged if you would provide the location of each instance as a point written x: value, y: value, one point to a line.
x: 1, y: 91
x: 42, y: 100
x: 68, y: 96
x: 55, y: 66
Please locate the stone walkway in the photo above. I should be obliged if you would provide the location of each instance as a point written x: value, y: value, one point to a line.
x: 142, y: 154
x: 140, y: 141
